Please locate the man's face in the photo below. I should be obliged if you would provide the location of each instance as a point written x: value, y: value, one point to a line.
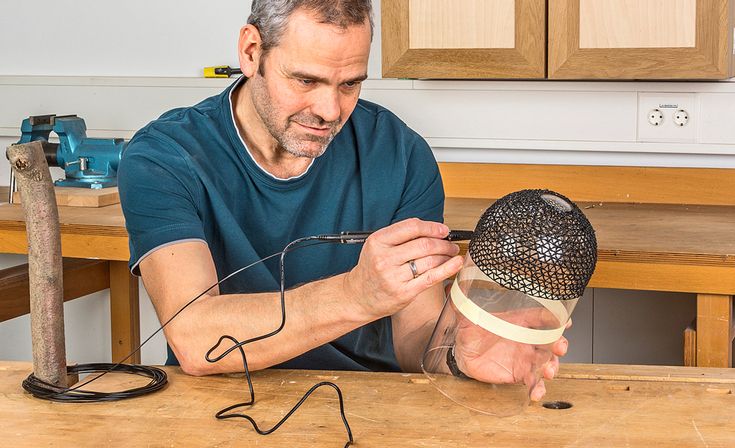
x: 310, y: 83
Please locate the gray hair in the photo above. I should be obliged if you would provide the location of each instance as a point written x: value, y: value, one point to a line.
x: 271, y: 16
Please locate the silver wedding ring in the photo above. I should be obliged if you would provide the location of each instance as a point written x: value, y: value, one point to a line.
x: 414, y: 270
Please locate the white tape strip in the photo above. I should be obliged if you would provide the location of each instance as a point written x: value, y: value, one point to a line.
x: 555, y: 306
x: 501, y: 327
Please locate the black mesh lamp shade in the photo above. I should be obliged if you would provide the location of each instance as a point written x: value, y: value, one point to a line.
x: 537, y: 242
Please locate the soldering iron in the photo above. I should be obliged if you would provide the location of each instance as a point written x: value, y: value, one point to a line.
x: 360, y: 237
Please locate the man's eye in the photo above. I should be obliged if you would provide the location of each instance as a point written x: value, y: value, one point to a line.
x: 306, y: 82
x: 352, y: 84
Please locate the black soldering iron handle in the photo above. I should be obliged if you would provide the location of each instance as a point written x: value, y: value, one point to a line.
x: 460, y: 235
x: 359, y: 237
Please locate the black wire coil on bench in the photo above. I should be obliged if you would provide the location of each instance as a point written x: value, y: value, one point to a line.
x: 46, y: 391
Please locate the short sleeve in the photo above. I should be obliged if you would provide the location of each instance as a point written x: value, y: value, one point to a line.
x: 159, y: 197
x: 423, y: 192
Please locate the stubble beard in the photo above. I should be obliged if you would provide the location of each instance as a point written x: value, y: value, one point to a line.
x: 288, y: 138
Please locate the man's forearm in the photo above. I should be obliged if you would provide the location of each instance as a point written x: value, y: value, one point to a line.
x: 412, y: 328
x: 381, y: 284
x: 410, y: 347
x: 316, y: 313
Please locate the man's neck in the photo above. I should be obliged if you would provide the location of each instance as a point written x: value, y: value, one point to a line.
x: 259, y: 142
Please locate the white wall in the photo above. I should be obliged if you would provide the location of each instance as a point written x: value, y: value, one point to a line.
x: 120, y: 64
x: 130, y: 38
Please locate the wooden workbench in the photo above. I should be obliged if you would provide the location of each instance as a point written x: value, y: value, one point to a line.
x: 96, y: 233
x: 613, y: 406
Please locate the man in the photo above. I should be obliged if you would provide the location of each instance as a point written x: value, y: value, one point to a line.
x: 285, y: 152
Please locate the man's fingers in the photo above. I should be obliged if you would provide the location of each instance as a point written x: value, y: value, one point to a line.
x: 421, y: 248
x: 428, y: 263
x: 560, y: 347
x: 437, y: 274
x: 410, y: 229
x: 538, y: 391
x: 551, y: 368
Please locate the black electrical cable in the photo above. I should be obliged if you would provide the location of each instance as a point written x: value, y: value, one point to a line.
x: 237, y: 345
x: 44, y: 390
x: 41, y: 389
x: 343, y: 238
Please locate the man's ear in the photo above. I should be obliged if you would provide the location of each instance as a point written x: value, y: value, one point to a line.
x: 249, y: 50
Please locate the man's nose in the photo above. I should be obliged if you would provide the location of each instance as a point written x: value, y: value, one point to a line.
x: 327, y: 106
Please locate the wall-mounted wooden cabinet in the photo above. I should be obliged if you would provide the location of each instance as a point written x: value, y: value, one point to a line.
x: 464, y: 38
x: 586, y: 39
x: 640, y: 39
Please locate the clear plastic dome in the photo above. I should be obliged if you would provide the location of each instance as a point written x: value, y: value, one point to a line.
x: 490, y: 343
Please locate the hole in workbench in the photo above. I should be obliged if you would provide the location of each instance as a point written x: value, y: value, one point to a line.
x: 557, y: 405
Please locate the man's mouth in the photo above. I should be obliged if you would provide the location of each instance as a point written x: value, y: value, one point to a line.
x: 316, y: 130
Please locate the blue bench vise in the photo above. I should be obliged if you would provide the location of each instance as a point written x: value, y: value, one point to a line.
x: 87, y: 162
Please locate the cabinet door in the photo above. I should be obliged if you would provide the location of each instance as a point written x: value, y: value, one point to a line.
x: 640, y: 39
x: 464, y: 38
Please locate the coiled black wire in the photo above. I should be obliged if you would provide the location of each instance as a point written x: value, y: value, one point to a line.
x: 47, y: 391
x: 42, y: 389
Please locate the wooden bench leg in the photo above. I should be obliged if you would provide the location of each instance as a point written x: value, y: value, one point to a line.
x: 124, y: 313
x: 690, y: 345
x: 714, y: 330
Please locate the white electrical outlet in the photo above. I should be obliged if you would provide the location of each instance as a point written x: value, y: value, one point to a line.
x: 681, y: 117
x: 656, y: 117
x: 667, y: 117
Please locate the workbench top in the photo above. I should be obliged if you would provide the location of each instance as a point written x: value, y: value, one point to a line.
x: 678, y: 234
x: 685, y: 234
x: 613, y: 406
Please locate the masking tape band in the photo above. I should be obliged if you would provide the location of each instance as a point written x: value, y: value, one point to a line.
x: 555, y: 306
x: 501, y: 327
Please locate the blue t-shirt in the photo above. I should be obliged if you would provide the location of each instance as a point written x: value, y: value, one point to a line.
x: 189, y: 176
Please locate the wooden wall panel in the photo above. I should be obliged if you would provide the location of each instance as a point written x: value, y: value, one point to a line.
x: 526, y: 58
x: 637, y: 23
x: 462, y: 24
x: 710, y: 58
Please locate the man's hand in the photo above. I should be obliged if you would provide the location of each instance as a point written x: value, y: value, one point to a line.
x: 487, y: 357
x: 383, y: 283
